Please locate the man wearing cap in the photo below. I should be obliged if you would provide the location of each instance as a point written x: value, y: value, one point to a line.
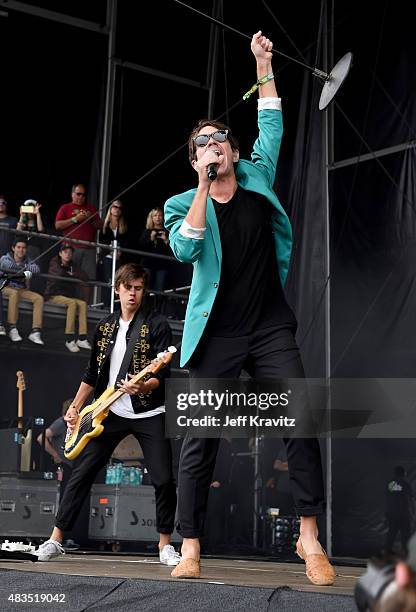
x: 66, y: 293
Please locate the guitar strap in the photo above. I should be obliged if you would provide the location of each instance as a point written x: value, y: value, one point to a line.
x: 134, y: 334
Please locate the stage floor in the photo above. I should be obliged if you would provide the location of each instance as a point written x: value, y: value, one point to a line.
x: 236, y: 572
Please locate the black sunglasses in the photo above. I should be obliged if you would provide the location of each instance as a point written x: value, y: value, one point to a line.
x: 77, y: 193
x: 202, y: 139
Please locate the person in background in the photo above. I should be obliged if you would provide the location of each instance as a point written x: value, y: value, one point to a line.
x: 6, y: 220
x: 401, y: 596
x: 278, y: 490
x: 31, y: 222
x: 2, y: 328
x: 16, y: 261
x: 399, y: 505
x: 55, y: 440
x: 80, y: 220
x: 66, y: 293
x: 389, y: 583
x: 55, y: 436
x: 216, y: 527
x: 155, y: 240
x: 114, y: 228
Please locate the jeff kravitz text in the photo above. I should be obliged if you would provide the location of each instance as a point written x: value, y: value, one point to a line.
x: 240, y: 421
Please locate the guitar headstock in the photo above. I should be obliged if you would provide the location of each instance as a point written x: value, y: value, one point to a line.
x: 162, y: 359
x: 21, y: 385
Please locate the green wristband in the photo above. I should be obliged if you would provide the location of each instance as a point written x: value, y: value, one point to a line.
x: 262, y: 81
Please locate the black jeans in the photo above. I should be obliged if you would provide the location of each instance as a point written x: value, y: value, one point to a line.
x: 150, y: 433
x: 265, y: 354
x: 398, y: 523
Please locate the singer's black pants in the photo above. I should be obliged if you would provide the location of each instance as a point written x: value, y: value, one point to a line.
x: 266, y: 354
x: 150, y: 433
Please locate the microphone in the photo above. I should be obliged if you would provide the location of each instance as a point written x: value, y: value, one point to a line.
x: 23, y: 274
x: 212, y: 169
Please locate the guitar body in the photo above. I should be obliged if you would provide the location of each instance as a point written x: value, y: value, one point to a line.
x: 88, y: 425
x: 89, y: 422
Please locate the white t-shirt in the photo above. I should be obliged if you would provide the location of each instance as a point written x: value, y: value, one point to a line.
x: 123, y: 406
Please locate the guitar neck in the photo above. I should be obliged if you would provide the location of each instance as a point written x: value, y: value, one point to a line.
x: 118, y: 393
x: 20, y: 410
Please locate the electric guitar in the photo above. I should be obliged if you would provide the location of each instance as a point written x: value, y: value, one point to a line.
x: 21, y: 386
x: 89, y: 422
x: 26, y: 440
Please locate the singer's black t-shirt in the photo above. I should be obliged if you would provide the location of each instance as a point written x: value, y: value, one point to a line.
x: 250, y: 295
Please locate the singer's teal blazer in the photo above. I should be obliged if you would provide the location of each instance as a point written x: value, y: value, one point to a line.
x: 256, y: 175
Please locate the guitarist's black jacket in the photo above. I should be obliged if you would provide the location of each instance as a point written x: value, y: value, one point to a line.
x: 154, y: 337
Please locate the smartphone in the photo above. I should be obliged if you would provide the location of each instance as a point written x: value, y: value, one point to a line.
x: 27, y: 208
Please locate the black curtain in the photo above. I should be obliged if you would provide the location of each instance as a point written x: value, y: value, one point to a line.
x: 372, y: 230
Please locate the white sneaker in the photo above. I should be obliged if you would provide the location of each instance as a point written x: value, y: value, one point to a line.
x: 72, y: 346
x: 14, y: 335
x: 2, y: 330
x: 34, y: 336
x: 84, y: 344
x: 49, y: 550
x: 169, y: 556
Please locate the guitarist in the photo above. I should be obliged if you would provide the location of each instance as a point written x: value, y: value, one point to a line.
x: 139, y: 411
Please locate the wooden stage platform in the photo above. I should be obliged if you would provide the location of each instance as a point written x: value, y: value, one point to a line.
x: 237, y: 572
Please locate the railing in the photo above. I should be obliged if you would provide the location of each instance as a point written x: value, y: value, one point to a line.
x: 171, y: 293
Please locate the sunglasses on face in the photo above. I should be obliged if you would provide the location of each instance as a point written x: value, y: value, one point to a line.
x: 202, y: 139
x: 78, y: 193
x: 115, y: 206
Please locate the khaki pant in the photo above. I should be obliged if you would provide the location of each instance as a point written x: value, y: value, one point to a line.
x: 72, y: 304
x: 15, y: 295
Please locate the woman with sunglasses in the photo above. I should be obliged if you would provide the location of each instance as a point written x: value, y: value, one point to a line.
x: 234, y: 230
x: 114, y: 228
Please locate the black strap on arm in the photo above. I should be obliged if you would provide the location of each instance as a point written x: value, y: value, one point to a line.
x: 134, y: 334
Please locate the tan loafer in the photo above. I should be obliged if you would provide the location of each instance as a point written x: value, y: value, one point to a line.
x: 318, y: 568
x: 187, y: 568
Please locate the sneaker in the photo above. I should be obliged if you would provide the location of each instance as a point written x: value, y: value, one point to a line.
x: 34, y: 336
x: 169, y: 556
x: 72, y: 346
x: 14, y: 335
x: 2, y: 330
x: 49, y: 550
x: 84, y: 344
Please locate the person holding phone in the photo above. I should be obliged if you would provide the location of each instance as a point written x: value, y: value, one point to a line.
x: 155, y: 240
x: 30, y: 217
x: 30, y: 220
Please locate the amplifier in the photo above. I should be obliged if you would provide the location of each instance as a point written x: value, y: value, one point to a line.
x: 123, y: 512
x: 27, y: 507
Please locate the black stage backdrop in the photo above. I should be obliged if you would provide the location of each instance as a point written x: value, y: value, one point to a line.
x: 52, y: 100
x: 372, y: 229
